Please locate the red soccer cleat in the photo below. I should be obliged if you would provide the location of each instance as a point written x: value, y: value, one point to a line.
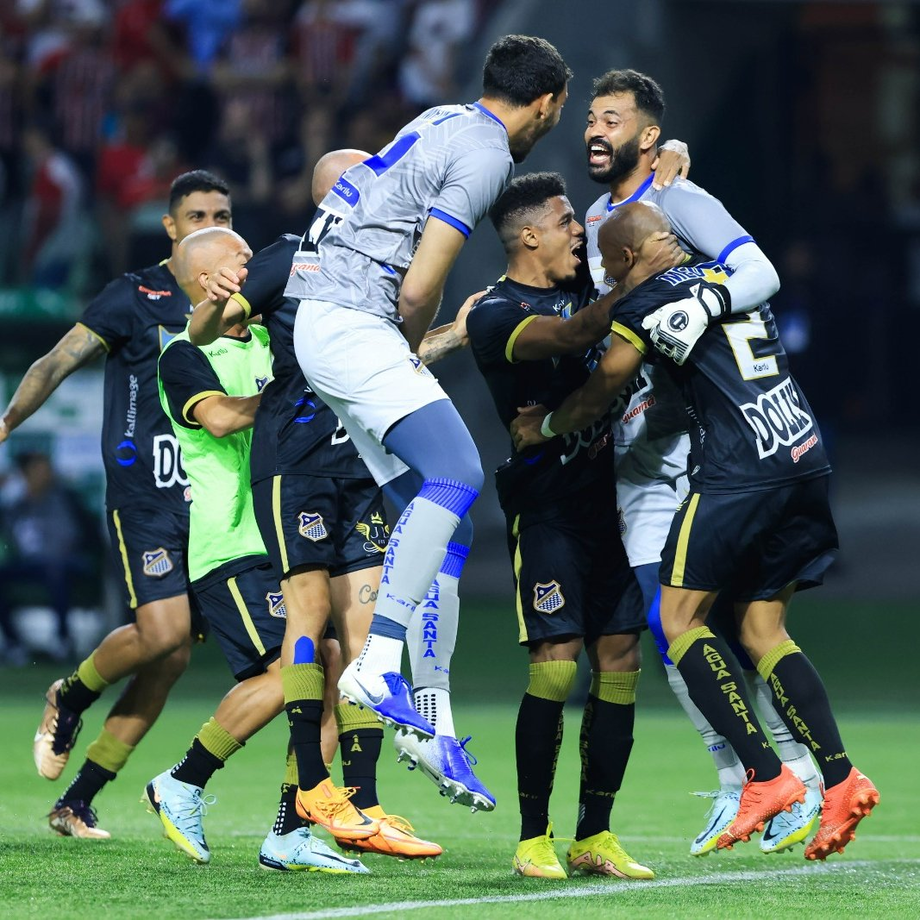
x: 845, y: 805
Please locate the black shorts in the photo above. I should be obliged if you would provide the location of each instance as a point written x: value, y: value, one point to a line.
x: 572, y: 577
x: 340, y: 525
x: 150, y: 548
x: 752, y: 544
x: 244, y: 607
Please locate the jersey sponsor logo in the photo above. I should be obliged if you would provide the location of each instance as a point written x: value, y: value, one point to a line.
x: 167, y: 462
x: 126, y: 453
x: 375, y: 533
x: 346, y: 191
x: 799, y: 449
x: 638, y: 409
x: 595, y: 218
x: 777, y: 418
x: 304, y: 267
x: 152, y: 294
x: 311, y: 525
x: 548, y: 598
x: 131, y: 414
x: 594, y: 439
x: 715, y: 272
x: 157, y: 562
x: 276, y: 608
x: 306, y: 414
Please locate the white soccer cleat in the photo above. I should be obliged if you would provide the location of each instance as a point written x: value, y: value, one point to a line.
x: 180, y: 807
x: 785, y: 830
x: 303, y: 851
x: 721, y: 813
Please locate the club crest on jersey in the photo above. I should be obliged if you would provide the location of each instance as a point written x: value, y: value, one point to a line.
x: 275, y: 601
x: 548, y: 598
x: 621, y: 522
x: 157, y: 562
x: 418, y: 366
x: 376, y: 534
x: 261, y: 383
x: 166, y: 336
x: 311, y: 526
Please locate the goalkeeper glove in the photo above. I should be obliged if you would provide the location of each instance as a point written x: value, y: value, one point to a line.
x: 676, y: 327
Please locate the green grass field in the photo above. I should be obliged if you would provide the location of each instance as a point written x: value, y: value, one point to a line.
x: 138, y: 874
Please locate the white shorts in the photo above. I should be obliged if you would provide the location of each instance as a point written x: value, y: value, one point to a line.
x: 646, y: 511
x: 360, y: 365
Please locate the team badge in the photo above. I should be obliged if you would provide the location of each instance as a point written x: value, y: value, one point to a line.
x: 275, y: 601
x: 418, y: 366
x: 260, y: 383
x: 165, y: 336
x: 311, y: 526
x: 376, y: 534
x: 157, y: 562
x: 548, y: 598
x: 621, y: 521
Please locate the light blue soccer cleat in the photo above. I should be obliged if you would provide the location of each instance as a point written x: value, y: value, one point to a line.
x: 721, y: 813
x: 303, y: 851
x: 785, y: 830
x: 180, y: 807
x: 448, y: 764
x: 388, y: 696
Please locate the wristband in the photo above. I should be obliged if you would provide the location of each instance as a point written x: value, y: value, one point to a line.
x: 545, y: 430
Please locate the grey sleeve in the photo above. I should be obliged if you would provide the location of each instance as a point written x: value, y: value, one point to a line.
x: 474, y: 181
x: 702, y: 220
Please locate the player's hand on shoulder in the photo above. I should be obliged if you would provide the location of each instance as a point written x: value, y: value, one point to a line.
x: 676, y: 327
x: 458, y: 327
x: 673, y: 161
x: 4, y: 431
x: 525, y: 429
x: 224, y: 283
x: 658, y: 252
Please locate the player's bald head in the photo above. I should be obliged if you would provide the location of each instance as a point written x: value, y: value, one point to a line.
x: 330, y: 166
x: 205, y: 251
x: 630, y: 225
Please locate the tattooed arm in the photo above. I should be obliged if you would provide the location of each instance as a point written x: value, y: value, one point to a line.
x: 77, y: 348
x: 442, y: 341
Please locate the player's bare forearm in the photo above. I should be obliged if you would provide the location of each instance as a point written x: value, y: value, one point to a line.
x: 222, y: 415
x: 442, y: 341
x: 78, y: 347
x: 416, y: 318
x: 210, y: 320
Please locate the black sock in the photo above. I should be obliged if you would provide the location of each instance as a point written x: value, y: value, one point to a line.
x: 287, y: 819
x: 75, y: 696
x: 799, y: 696
x: 537, y: 739
x: 86, y: 784
x: 304, y: 718
x: 606, y: 742
x: 360, y: 753
x: 198, y: 765
x: 724, y: 700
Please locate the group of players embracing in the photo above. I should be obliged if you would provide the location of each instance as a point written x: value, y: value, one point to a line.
x: 667, y: 472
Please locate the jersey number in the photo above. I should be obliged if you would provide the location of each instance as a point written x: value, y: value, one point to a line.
x: 740, y: 336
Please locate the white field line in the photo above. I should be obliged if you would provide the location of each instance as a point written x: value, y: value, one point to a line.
x: 587, y: 891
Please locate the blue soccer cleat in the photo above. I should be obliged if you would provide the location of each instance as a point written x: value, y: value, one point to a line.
x: 180, y: 807
x: 721, y: 813
x: 448, y: 764
x: 303, y: 851
x: 388, y: 696
x: 785, y: 830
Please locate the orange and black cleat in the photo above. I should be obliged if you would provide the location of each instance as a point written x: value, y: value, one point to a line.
x: 760, y: 802
x: 845, y: 805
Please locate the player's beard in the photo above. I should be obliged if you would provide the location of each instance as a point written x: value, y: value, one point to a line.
x: 623, y: 160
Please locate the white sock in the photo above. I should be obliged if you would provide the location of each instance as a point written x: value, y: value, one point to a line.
x: 433, y: 704
x: 728, y: 766
x: 379, y: 655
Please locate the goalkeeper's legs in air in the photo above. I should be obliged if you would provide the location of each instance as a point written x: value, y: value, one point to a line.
x: 163, y: 625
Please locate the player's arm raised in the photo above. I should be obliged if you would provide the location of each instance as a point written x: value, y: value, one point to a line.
x: 423, y: 286
x: 78, y: 347
x: 224, y: 308
x: 581, y: 407
x: 222, y: 415
x: 551, y: 336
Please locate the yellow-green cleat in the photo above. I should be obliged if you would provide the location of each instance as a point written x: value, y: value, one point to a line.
x: 536, y: 857
x: 603, y: 855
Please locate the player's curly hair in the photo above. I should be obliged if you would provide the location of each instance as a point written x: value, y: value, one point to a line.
x: 198, y: 180
x: 648, y: 94
x: 521, y: 68
x: 525, y: 195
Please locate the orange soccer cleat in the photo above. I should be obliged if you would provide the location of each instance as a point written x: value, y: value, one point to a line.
x: 845, y: 805
x: 330, y: 807
x: 760, y: 802
x: 395, y: 838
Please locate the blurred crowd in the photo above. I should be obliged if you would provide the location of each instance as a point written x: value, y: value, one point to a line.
x: 104, y: 102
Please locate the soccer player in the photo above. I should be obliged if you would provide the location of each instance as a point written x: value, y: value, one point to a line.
x: 147, y: 498
x: 533, y: 342
x: 211, y: 395
x: 757, y: 523
x: 323, y: 521
x: 650, y: 424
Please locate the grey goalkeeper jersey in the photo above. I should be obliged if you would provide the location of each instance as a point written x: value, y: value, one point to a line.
x: 450, y: 163
x: 650, y: 420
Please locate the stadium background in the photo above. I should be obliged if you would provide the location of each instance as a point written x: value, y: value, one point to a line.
x: 804, y: 118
